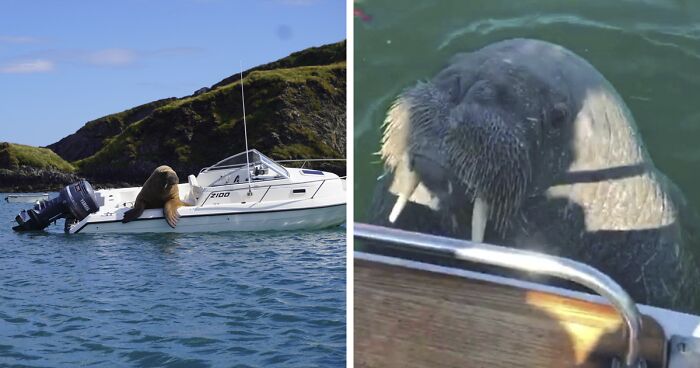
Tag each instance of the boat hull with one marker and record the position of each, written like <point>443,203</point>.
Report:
<point>264,220</point>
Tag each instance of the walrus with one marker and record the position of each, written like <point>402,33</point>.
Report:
<point>159,191</point>
<point>523,143</point>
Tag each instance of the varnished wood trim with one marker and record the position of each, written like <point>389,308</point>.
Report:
<point>414,318</point>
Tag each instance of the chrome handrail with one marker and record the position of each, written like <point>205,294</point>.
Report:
<point>522,260</point>
<point>313,160</point>
<point>268,180</point>
<point>304,161</point>
<point>227,167</point>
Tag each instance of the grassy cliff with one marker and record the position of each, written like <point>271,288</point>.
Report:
<point>14,156</point>
<point>324,55</point>
<point>27,168</point>
<point>295,109</point>
<point>91,137</point>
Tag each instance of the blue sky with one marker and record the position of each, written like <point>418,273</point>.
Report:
<point>63,63</point>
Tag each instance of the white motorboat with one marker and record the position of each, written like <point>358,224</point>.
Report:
<point>244,192</point>
<point>26,197</point>
<point>239,193</point>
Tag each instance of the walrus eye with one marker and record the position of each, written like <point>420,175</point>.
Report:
<point>482,91</point>
<point>559,114</point>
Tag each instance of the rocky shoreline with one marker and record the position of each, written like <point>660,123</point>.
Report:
<point>29,179</point>
<point>32,180</point>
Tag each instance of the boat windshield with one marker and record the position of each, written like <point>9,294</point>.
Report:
<point>258,162</point>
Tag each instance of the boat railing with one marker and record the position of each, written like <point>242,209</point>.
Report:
<point>256,181</point>
<point>308,160</point>
<point>521,260</point>
<point>252,164</point>
<point>227,167</point>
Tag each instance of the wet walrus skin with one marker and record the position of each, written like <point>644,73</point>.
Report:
<point>159,191</point>
<point>551,153</point>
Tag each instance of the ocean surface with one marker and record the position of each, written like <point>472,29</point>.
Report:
<point>171,300</point>
<point>649,50</point>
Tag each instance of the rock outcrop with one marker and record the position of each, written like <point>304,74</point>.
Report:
<point>26,169</point>
<point>91,137</point>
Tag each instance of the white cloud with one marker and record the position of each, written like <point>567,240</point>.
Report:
<point>298,2</point>
<point>27,67</point>
<point>175,51</point>
<point>47,60</point>
<point>18,39</point>
<point>111,57</point>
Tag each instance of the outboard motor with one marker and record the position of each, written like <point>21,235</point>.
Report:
<point>75,201</point>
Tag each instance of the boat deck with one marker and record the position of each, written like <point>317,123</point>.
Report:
<point>406,317</point>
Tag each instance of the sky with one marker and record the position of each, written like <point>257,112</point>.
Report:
<point>64,63</point>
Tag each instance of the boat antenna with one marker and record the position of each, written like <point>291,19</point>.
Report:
<point>245,133</point>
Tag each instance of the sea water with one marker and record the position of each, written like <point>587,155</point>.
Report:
<point>171,300</point>
<point>648,49</point>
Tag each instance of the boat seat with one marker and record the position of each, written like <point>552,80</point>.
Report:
<point>195,190</point>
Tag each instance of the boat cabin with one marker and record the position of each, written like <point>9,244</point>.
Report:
<point>237,169</point>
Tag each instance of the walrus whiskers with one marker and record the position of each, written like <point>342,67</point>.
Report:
<point>408,124</point>
<point>495,167</point>
<point>488,158</point>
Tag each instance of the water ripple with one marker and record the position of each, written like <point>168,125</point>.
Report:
<point>648,49</point>
<point>245,300</point>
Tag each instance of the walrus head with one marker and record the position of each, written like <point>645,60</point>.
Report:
<point>166,176</point>
<point>489,131</point>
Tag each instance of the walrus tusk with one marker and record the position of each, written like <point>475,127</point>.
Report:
<point>410,186</point>
<point>479,217</point>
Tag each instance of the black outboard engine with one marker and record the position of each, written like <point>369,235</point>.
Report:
<point>75,201</point>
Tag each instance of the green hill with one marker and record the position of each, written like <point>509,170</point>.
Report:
<point>91,137</point>
<point>27,168</point>
<point>295,109</point>
<point>324,55</point>
<point>14,156</point>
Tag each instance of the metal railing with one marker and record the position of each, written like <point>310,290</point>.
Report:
<point>305,161</point>
<point>228,167</point>
<point>521,260</point>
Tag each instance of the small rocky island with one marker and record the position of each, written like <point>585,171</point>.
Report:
<point>295,109</point>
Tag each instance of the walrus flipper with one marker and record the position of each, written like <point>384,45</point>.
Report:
<point>170,212</point>
<point>133,213</point>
